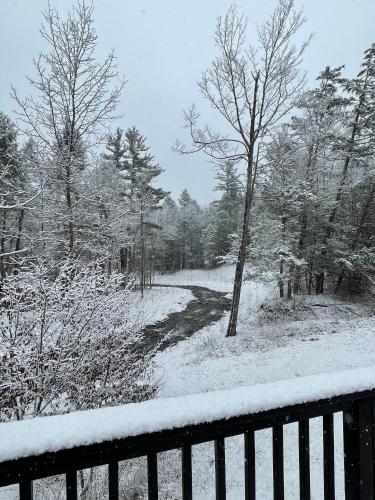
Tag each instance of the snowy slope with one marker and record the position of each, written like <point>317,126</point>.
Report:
<point>158,303</point>
<point>329,339</point>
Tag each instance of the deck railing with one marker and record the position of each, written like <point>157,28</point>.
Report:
<point>107,436</point>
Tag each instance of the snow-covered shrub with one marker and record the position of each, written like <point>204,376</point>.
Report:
<point>281,310</point>
<point>67,342</point>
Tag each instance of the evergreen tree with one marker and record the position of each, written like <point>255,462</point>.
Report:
<point>189,232</point>
<point>228,214</point>
<point>140,171</point>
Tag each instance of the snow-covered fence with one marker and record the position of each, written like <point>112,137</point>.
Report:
<point>46,446</point>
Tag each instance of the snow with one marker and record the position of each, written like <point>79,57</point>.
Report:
<point>271,362</point>
<point>325,336</point>
<point>159,302</point>
<point>220,279</point>
<point>48,434</point>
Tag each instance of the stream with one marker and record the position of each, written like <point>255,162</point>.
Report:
<point>208,306</point>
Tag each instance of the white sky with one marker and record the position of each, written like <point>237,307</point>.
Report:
<point>162,47</point>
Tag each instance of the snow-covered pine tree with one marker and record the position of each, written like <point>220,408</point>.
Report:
<point>353,208</point>
<point>140,171</point>
<point>228,207</point>
<point>14,197</point>
<point>189,232</point>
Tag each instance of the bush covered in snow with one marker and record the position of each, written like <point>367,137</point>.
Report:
<point>67,341</point>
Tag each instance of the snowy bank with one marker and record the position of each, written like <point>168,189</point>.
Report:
<point>49,434</point>
<point>158,303</point>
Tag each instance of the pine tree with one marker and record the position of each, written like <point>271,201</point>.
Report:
<point>189,232</point>
<point>140,171</point>
<point>228,206</point>
<point>116,149</point>
<point>12,183</point>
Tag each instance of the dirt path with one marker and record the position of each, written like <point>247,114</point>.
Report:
<point>207,307</point>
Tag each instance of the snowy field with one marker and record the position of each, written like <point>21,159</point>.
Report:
<point>331,336</point>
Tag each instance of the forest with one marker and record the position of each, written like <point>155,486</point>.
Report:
<point>87,228</point>
<point>77,216</point>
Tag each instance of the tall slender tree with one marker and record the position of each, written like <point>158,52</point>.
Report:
<point>251,89</point>
<point>75,99</point>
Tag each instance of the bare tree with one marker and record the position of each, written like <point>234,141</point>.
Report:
<point>75,96</point>
<point>252,88</point>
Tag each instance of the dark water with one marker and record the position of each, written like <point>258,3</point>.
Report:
<point>207,307</point>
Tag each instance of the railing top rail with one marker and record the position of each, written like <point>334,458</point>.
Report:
<point>63,432</point>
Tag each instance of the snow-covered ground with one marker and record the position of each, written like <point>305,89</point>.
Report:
<point>220,279</point>
<point>309,336</point>
<point>322,336</point>
<point>156,305</point>
<point>159,302</point>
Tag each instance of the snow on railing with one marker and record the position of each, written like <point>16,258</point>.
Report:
<point>49,434</point>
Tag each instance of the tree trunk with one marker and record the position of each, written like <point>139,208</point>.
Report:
<point>19,230</point>
<point>2,245</point>
<point>281,281</point>
<point>232,327</point>
<point>319,283</point>
<point>289,288</point>
<point>142,255</point>
<point>68,196</point>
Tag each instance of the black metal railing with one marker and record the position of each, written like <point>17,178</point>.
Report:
<point>359,456</point>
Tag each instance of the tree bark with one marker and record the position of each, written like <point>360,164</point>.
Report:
<point>142,278</point>
<point>2,245</point>
<point>281,282</point>
<point>232,326</point>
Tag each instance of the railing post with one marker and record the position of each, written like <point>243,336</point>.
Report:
<point>329,457</point>
<point>152,470</point>
<point>71,485</point>
<point>220,468</point>
<point>250,490</point>
<point>113,485</point>
<point>278,462</point>
<point>359,450</point>
<point>26,490</point>
<point>304,458</point>
<point>187,485</point>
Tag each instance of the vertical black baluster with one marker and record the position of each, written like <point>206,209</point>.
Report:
<point>351,453</point>
<point>71,485</point>
<point>304,459</point>
<point>278,462</point>
<point>250,487</point>
<point>329,458</point>
<point>220,469</point>
<point>152,471</point>
<point>359,451</point>
<point>187,487</point>
<point>26,490</point>
<point>113,487</point>
<point>366,451</point>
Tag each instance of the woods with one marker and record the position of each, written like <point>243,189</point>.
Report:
<point>84,211</point>
<point>153,249</point>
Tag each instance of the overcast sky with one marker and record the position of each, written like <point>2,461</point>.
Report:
<point>162,47</point>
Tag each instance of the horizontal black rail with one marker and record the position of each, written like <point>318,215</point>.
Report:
<point>359,452</point>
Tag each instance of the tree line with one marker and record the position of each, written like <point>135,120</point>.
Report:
<point>294,167</point>
<point>308,157</point>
